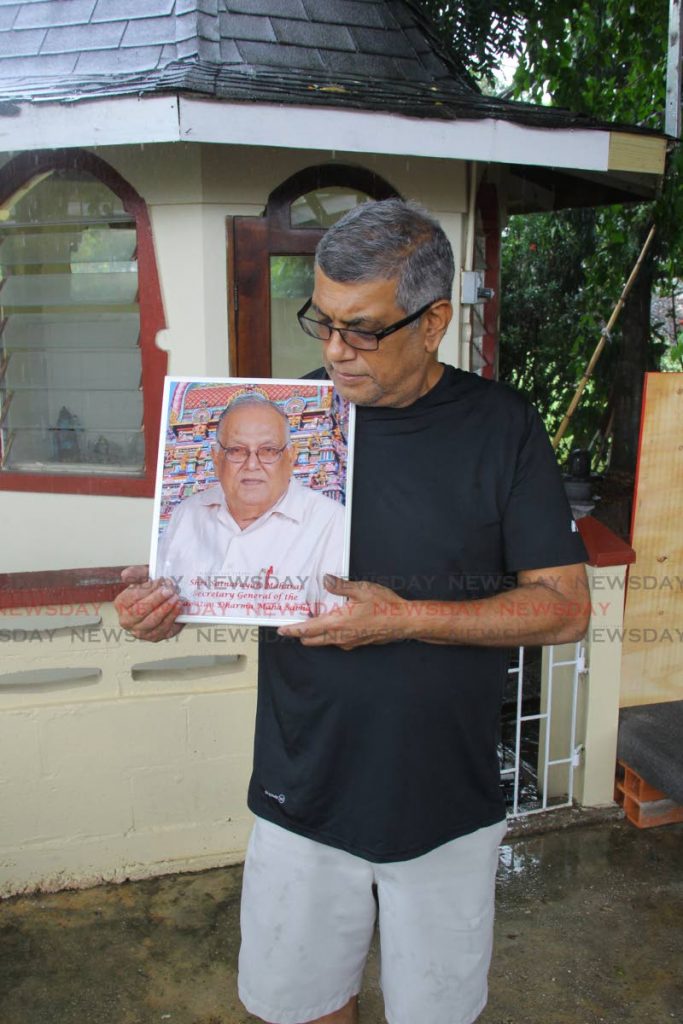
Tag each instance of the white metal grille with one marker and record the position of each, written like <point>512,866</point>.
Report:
<point>549,783</point>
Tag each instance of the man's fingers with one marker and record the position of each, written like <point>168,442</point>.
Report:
<point>316,626</point>
<point>324,638</point>
<point>360,589</point>
<point>149,611</point>
<point>161,624</point>
<point>135,574</point>
<point>167,628</point>
<point>337,584</point>
<point>345,637</point>
<point>139,599</point>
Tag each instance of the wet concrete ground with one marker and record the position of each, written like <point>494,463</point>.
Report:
<point>589,930</point>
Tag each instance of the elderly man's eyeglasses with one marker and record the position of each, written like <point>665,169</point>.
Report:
<point>267,454</point>
<point>366,340</point>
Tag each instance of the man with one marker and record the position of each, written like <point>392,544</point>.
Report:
<point>375,756</point>
<point>257,538</point>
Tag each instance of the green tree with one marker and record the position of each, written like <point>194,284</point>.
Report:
<point>606,58</point>
<point>478,33</point>
<point>546,328</point>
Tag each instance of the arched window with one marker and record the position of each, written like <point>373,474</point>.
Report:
<point>80,376</point>
<point>272,266</point>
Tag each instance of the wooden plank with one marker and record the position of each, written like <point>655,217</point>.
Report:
<point>652,658</point>
<point>644,154</point>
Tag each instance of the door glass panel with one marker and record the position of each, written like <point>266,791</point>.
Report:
<point>291,283</point>
<point>324,206</point>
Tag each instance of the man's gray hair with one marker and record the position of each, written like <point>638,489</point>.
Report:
<point>386,240</point>
<point>253,398</point>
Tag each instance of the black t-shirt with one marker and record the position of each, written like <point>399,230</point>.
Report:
<point>390,750</point>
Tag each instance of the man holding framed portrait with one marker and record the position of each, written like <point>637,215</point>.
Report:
<point>375,763</point>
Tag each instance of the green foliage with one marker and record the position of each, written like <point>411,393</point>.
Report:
<point>673,357</point>
<point>564,272</point>
<point>548,326</point>
<point>606,58</point>
<point>479,33</point>
<point>291,277</point>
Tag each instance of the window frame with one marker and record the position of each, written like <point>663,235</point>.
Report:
<point>489,352</point>
<point>15,173</point>
<point>253,240</point>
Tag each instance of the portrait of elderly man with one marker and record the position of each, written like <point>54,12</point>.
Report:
<point>257,543</point>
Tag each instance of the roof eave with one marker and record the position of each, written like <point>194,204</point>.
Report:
<point>632,161</point>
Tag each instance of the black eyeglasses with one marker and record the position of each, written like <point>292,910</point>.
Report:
<point>366,340</point>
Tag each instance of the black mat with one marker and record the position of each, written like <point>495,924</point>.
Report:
<point>651,742</point>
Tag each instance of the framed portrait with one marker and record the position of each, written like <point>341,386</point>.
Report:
<point>253,497</point>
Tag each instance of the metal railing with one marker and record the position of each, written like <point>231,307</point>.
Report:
<point>556,722</point>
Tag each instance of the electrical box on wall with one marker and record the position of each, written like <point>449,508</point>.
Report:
<point>472,288</point>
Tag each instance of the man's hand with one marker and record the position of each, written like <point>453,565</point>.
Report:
<point>148,609</point>
<point>371,615</point>
<point>548,606</point>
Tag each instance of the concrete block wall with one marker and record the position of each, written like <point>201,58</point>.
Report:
<point>118,758</point>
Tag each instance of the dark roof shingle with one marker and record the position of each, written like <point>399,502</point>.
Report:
<point>283,9</point>
<point>118,61</point>
<point>380,55</point>
<point>363,38</point>
<point>382,41</point>
<point>101,36</point>
<point>345,12</point>
<point>8,16</point>
<point>58,65</point>
<point>272,55</point>
<point>22,43</point>
<point>241,27</point>
<point>47,15</point>
<point>150,32</point>
<point>116,10</point>
<point>327,37</point>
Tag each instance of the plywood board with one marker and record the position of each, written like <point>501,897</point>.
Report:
<point>652,660</point>
<point>643,153</point>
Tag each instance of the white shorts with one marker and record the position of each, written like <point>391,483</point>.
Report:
<point>308,915</point>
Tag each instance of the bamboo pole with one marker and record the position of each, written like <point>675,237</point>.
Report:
<point>588,372</point>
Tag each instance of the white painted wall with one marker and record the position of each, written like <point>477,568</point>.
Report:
<point>120,774</point>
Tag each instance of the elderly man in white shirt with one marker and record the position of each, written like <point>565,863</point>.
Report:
<point>257,543</point>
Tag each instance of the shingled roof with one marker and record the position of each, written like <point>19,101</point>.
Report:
<point>377,55</point>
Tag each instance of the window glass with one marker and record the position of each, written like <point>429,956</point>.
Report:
<point>70,360</point>
<point>291,283</point>
<point>324,206</point>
